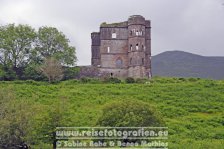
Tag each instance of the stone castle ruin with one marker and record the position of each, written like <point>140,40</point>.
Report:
<point>123,49</point>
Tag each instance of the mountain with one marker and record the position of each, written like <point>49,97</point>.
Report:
<point>183,64</point>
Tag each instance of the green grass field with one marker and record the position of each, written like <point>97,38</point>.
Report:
<point>193,109</point>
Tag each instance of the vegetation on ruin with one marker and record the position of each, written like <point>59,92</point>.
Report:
<point>105,24</point>
<point>191,108</point>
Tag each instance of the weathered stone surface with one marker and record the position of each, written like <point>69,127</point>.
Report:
<point>123,49</point>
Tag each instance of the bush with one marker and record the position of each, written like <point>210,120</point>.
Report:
<point>8,74</point>
<point>182,79</point>
<point>85,80</point>
<point>112,80</point>
<point>71,72</point>
<point>130,80</point>
<point>139,80</point>
<point>31,73</point>
<point>129,114</point>
<point>70,82</point>
<point>165,80</point>
<point>90,80</point>
<point>193,79</point>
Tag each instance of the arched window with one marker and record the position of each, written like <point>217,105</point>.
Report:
<point>119,63</point>
<point>136,46</point>
<point>131,47</point>
<point>142,47</point>
<point>131,33</point>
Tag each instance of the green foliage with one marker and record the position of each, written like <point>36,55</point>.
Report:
<point>16,126</point>
<point>193,79</point>
<point>112,80</point>
<point>71,72</point>
<point>22,49</point>
<point>133,113</point>
<point>85,80</point>
<point>130,80</point>
<point>53,43</point>
<point>192,110</point>
<point>52,69</point>
<point>31,73</point>
<point>2,73</point>
<point>8,74</point>
<point>15,44</point>
<point>142,80</point>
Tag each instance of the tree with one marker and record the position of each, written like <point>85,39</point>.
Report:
<point>52,43</point>
<point>52,69</point>
<point>15,44</point>
<point>16,125</point>
<point>22,49</point>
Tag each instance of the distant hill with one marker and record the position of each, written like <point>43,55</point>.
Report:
<point>183,64</point>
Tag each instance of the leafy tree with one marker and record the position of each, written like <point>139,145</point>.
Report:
<point>15,44</point>
<point>22,50</point>
<point>52,69</point>
<point>54,119</point>
<point>16,125</point>
<point>52,43</point>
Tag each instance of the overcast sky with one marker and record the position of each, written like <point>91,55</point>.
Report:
<point>195,26</point>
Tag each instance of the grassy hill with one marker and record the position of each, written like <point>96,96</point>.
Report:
<point>183,64</point>
<point>193,109</point>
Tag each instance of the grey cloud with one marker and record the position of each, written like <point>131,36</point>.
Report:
<point>194,25</point>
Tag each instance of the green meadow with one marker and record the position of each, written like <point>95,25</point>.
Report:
<point>193,109</point>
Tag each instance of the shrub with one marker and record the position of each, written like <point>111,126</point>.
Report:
<point>112,80</point>
<point>130,80</point>
<point>71,72</point>
<point>140,80</point>
<point>32,82</point>
<point>182,79</point>
<point>210,84</point>
<point>90,80</point>
<point>85,80</point>
<point>193,79</point>
<point>95,81</point>
<point>31,73</point>
<point>129,114</point>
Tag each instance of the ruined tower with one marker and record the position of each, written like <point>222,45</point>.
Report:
<point>123,49</point>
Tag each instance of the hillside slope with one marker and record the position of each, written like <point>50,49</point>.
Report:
<point>191,108</point>
<point>183,64</point>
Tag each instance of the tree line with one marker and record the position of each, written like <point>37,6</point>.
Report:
<point>26,53</point>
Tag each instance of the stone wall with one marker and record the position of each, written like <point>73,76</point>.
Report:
<point>123,49</point>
